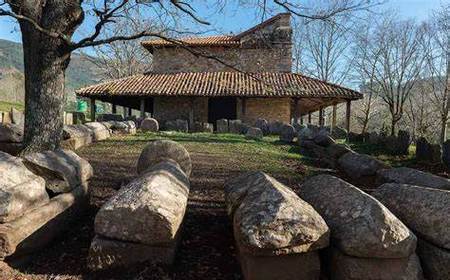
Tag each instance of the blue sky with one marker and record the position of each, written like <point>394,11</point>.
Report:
<point>235,20</point>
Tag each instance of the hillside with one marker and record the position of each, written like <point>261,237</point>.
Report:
<point>80,72</point>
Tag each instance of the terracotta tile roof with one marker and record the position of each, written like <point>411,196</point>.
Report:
<point>219,84</point>
<point>219,40</point>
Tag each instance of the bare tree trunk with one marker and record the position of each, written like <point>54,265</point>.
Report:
<point>393,125</point>
<point>443,129</point>
<point>447,96</point>
<point>45,62</point>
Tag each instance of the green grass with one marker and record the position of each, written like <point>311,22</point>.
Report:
<point>227,152</point>
<point>6,106</point>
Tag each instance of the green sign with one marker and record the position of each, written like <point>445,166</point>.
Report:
<point>81,105</point>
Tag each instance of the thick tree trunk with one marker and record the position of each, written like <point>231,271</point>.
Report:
<point>443,135</point>
<point>45,62</point>
<point>393,125</point>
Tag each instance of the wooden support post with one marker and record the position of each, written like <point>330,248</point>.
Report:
<point>243,107</point>
<point>301,120</point>
<point>130,111</point>
<point>333,118</point>
<point>347,115</point>
<point>321,120</point>
<point>92,101</point>
<point>191,113</point>
<point>309,118</point>
<point>114,108</point>
<point>296,113</point>
<point>142,107</point>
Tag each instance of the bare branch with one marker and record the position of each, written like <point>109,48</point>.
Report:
<point>49,33</point>
<point>296,9</point>
<point>105,17</point>
<point>180,5</point>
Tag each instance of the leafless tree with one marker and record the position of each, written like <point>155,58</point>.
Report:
<point>47,29</point>
<point>397,56</point>
<point>325,45</point>
<point>364,71</point>
<point>420,115</point>
<point>123,58</point>
<point>437,65</point>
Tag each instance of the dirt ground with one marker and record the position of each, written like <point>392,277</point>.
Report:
<point>206,249</point>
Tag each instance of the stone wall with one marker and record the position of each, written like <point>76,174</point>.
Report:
<point>270,109</point>
<point>172,60</point>
<point>172,108</point>
<point>267,48</point>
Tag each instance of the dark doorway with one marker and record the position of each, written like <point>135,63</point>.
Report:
<point>221,108</point>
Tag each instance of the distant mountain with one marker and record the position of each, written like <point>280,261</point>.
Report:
<point>81,72</point>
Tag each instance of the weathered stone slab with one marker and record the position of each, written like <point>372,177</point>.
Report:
<point>422,149</point>
<point>275,127</point>
<point>11,148</point>
<point>355,137</point>
<point>339,133</point>
<point>244,128</point>
<point>17,117</point>
<point>161,150</point>
<point>12,133</point>
<point>287,133</point>
<point>435,261</point>
<point>20,189</point>
<point>263,125</point>
<point>428,152</point>
<point>68,118</point>
<point>131,126</point>
<point>373,138</point>
<point>76,136</point>
<point>308,147</point>
<point>314,128</point>
<point>305,266</point>
<point>304,134</point>
<point>357,166</point>
<point>106,253</point>
<point>79,117</point>
<point>423,210</point>
<point>410,176</point>
<point>177,125</point>
<point>202,127</point>
<point>324,139</point>
<point>149,210</point>
<point>149,124</point>
<point>109,117</point>
<point>335,151</point>
<point>77,130</point>
<point>402,143</point>
<point>235,126</point>
<point>270,219</point>
<point>63,169</point>
<point>360,225</point>
<point>123,127</point>
<point>6,117</point>
<point>344,267</point>
<point>119,127</point>
<point>446,153</point>
<point>222,126</point>
<point>100,132</point>
<point>254,133</point>
<point>33,231</point>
